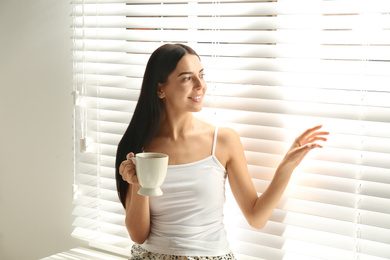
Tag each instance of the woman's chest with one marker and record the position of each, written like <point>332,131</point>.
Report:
<point>190,188</point>
<point>183,151</point>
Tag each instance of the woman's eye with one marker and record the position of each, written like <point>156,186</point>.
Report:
<point>187,78</point>
<point>202,75</point>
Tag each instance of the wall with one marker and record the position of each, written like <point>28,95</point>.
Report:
<point>35,129</point>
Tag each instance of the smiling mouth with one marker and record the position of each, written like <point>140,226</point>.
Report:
<point>195,98</point>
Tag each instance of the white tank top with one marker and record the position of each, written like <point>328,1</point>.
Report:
<point>188,218</point>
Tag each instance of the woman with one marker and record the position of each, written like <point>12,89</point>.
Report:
<point>186,222</point>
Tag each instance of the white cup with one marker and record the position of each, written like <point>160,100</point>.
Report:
<point>151,171</point>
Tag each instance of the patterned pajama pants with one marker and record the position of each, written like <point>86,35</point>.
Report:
<point>138,253</point>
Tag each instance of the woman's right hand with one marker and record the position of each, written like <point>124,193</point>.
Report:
<point>137,206</point>
<point>127,170</point>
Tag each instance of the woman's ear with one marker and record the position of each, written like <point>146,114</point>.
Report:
<point>160,92</point>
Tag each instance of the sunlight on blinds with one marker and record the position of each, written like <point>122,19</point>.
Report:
<point>273,69</point>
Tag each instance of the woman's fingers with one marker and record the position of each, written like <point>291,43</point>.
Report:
<point>302,138</point>
<point>127,170</point>
<point>316,138</point>
<point>134,179</point>
<point>129,173</point>
<point>311,135</point>
<point>129,155</point>
<point>308,131</point>
<point>304,143</point>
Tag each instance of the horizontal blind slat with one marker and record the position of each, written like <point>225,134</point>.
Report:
<point>260,37</point>
<point>285,50</point>
<point>236,9</point>
<point>294,22</point>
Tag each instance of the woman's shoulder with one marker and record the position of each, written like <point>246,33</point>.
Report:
<point>223,131</point>
<point>228,142</point>
<point>228,137</point>
<point>227,132</point>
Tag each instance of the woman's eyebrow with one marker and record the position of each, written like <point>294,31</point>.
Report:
<point>190,73</point>
<point>183,73</point>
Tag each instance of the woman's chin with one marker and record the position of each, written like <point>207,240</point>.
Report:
<point>198,109</point>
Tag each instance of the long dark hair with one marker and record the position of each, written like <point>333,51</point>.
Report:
<point>147,114</point>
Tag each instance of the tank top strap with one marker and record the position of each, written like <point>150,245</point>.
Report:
<point>215,140</point>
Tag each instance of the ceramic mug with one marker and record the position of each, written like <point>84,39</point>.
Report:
<point>151,171</point>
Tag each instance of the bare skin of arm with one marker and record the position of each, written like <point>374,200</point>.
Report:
<point>258,209</point>
<point>137,206</point>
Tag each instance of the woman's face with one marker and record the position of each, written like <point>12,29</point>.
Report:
<point>185,88</point>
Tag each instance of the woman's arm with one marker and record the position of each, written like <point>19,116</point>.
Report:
<point>257,210</point>
<point>137,215</point>
<point>137,206</point>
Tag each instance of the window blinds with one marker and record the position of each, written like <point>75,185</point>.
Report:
<point>273,69</point>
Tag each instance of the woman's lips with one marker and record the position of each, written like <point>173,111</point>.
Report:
<point>196,98</point>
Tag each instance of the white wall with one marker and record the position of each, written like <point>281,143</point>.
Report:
<point>35,129</point>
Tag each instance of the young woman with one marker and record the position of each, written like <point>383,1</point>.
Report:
<point>187,221</point>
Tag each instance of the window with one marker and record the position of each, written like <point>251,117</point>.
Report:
<point>274,68</point>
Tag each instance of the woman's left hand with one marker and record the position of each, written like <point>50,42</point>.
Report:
<point>303,144</point>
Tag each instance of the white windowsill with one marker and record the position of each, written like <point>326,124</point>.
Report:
<point>84,254</point>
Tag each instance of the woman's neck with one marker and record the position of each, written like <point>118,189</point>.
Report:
<point>176,126</point>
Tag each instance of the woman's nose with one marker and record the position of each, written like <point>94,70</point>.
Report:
<point>200,83</point>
